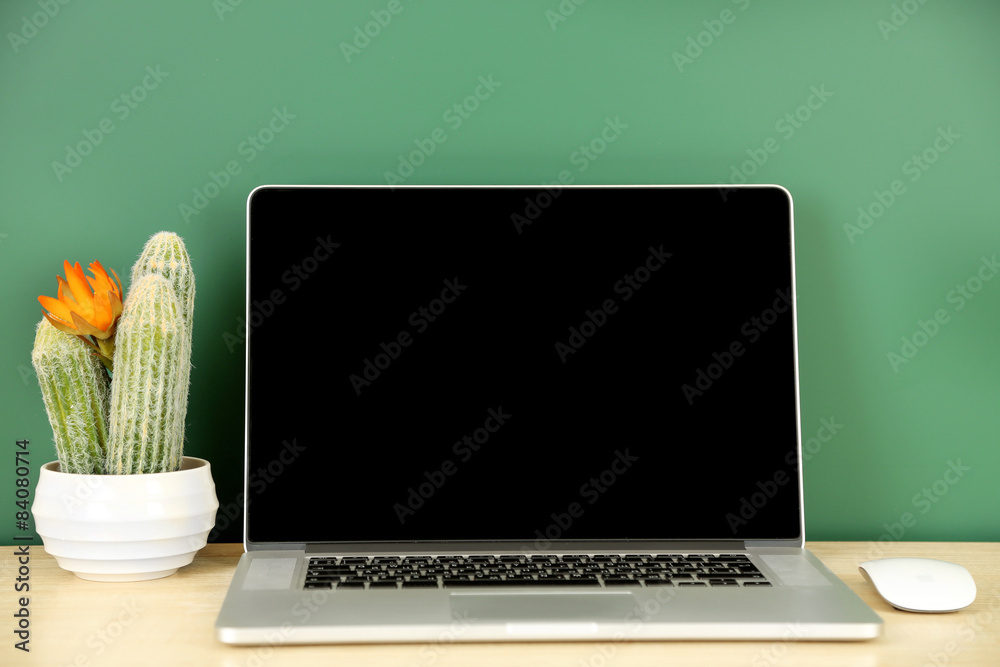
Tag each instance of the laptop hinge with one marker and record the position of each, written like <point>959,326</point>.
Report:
<point>275,546</point>
<point>560,547</point>
<point>798,543</point>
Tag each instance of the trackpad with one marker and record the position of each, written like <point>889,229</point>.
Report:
<point>544,606</point>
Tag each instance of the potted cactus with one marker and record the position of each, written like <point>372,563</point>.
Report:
<point>122,503</point>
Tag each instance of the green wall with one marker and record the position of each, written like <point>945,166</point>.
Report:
<point>166,115</point>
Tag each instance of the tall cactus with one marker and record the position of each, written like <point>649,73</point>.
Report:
<point>153,361</point>
<point>75,389</point>
<point>149,389</point>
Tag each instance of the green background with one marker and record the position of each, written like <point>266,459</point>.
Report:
<point>894,78</point>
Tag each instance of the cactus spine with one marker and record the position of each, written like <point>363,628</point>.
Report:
<point>75,390</point>
<point>150,384</point>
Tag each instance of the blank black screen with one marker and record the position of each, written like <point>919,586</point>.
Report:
<point>521,364</point>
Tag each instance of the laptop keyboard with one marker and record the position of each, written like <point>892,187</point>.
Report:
<point>595,571</point>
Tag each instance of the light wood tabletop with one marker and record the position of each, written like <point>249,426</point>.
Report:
<point>171,621</point>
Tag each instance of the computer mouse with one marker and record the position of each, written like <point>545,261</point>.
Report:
<point>921,584</point>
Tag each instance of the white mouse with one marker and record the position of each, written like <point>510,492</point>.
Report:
<point>921,584</point>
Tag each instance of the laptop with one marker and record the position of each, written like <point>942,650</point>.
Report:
<point>525,413</point>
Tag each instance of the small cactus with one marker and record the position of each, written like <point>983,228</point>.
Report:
<point>75,390</point>
<point>149,389</point>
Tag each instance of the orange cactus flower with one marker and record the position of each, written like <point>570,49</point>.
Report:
<point>87,306</point>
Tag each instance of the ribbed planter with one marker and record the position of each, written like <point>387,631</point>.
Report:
<point>125,527</point>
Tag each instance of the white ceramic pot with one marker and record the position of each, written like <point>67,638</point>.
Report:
<point>125,527</point>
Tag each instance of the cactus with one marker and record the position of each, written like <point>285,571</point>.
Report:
<point>164,254</point>
<point>150,385</point>
<point>134,423</point>
<point>75,390</point>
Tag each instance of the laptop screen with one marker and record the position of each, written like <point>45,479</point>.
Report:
<point>525,364</point>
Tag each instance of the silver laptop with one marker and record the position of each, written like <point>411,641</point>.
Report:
<point>525,413</point>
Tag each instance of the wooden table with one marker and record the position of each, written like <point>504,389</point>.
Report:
<point>171,622</point>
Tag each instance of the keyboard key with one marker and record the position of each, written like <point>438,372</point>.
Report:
<point>327,572</point>
<point>351,584</point>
